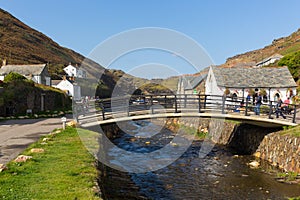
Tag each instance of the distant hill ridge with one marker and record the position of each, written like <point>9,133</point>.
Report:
<point>283,46</point>
<point>20,44</point>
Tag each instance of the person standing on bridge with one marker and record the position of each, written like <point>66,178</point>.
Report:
<point>279,108</point>
<point>258,104</point>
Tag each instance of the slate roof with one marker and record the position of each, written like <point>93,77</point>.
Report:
<point>191,82</point>
<point>55,82</point>
<point>265,77</point>
<point>24,70</point>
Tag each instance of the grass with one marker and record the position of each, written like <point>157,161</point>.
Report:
<point>289,176</point>
<point>294,131</point>
<point>66,170</point>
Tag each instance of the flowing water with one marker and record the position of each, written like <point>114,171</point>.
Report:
<point>219,175</point>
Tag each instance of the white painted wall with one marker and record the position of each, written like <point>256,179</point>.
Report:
<point>71,70</point>
<point>211,87</point>
<point>66,86</point>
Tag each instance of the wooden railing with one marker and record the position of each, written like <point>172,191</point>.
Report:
<point>135,104</point>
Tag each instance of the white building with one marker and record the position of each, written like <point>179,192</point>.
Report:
<point>269,60</point>
<point>75,71</point>
<point>276,81</point>
<point>69,87</point>
<point>190,84</point>
<point>38,73</point>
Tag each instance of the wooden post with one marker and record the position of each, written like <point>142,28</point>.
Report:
<point>128,109</point>
<point>270,111</point>
<point>151,103</point>
<point>166,101</point>
<point>205,98</point>
<point>246,108</point>
<point>270,104</point>
<point>223,104</point>
<point>175,99</point>
<point>294,116</point>
<point>102,109</point>
<point>185,96</point>
<point>199,103</point>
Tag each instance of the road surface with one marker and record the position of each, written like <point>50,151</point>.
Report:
<point>17,135</point>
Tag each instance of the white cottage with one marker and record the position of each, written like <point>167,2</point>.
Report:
<point>38,73</point>
<point>276,81</point>
<point>75,71</point>
<point>269,60</point>
<point>69,87</point>
<point>190,84</point>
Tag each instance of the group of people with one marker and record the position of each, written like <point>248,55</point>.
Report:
<point>280,106</point>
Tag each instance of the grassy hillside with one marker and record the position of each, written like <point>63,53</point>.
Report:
<point>20,44</point>
<point>283,46</point>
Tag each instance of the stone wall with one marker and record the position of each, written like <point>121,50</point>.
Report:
<point>266,143</point>
<point>219,130</point>
<point>281,150</point>
<point>246,138</point>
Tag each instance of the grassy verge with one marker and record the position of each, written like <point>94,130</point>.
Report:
<point>64,171</point>
<point>294,131</point>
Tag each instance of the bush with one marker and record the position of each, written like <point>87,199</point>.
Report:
<point>12,76</point>
<point>292,60</point>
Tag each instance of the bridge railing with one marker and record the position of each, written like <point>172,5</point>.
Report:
<point>150,104</point>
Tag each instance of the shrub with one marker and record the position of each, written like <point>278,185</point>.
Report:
<point>13,76</point>
<point>292,60</point>
<point>226,92</point>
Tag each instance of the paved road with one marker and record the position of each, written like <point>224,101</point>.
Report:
<point>17,135</point>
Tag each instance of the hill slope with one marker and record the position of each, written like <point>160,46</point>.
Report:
<point>283,46</point>
<point>20,44</point>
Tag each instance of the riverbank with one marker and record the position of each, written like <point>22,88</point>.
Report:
<point>219,175</point>
<point>282,149</point>
<point>63,169</point>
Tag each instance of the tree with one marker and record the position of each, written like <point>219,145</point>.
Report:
<point>292,60</point>
<point>13,76</point>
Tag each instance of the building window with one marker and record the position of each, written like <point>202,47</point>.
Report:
<point>276,97</point>
<point>265,99</point>
<point>234,97</point>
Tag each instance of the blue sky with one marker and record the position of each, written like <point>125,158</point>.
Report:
<point>223,28</point>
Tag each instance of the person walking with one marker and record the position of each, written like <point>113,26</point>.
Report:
<point>279,107</point>
<point>258,104</point>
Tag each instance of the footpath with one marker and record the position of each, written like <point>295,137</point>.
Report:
<point>17,135</point>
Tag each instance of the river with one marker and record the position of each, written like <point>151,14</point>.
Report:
<point>219,175</point>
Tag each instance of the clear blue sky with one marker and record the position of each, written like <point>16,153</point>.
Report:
<point>224,28</point>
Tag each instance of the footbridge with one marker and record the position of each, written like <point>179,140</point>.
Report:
<point>139,107</point>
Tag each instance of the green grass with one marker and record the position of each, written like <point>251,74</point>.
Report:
<point>289,176</point>
<point>293,48</point>
<point>294,131</point>
<point>294,198</point>
<point>64,171</point>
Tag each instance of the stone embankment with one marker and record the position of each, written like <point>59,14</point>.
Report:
<point>281,150</point>
<point>266,143</point>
